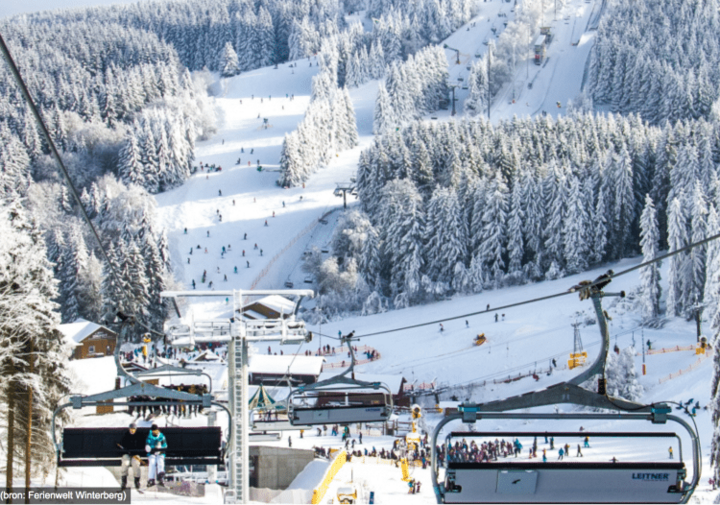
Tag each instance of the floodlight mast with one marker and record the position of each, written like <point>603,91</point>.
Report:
<point>286,330</point>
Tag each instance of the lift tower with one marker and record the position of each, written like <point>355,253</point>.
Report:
<point>239,331</point>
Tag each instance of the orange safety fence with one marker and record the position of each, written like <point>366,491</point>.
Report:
<point>686,370</point>
<point>664,350</point>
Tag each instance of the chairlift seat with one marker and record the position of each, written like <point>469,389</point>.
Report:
<point>288,284</point>
<point>339,414</point>
<point>98,446</point>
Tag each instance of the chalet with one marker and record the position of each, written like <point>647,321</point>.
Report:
<point>275,370</point>
<point>90,340</point>
<point>269,307</point>
<point>396,384</point>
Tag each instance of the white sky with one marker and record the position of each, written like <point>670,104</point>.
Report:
<point>12,7</point>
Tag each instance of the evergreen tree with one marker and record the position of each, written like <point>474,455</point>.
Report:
<point>677,239</point>
<point>229,62</point>
<point>650,274</point>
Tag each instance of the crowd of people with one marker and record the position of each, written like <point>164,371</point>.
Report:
<point>463,452</point>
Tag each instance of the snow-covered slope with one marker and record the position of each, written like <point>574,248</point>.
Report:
<point>523,339</point>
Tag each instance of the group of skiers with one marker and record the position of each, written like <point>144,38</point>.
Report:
<point>488,451</point>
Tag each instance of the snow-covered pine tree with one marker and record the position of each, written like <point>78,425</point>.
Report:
<point>677,239</point>
<point>445,236</point>
<point>494,233</point>
<point>229,61</point>
<point>575,225</point>
<point>650,274</point>
<point>515,245</point>
<point>32,356</point>
<point>695,287</point>
<point>385,118</point>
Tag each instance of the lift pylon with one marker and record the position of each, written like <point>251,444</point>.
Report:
<point>241,330</point>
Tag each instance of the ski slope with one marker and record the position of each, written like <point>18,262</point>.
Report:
<point>523,340</point>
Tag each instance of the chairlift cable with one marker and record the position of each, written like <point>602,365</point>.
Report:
<point>56,155</point>
<point>605,278</point>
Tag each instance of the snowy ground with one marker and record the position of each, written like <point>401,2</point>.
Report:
<point>525,339</point>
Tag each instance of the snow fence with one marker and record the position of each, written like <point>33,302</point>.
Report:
<point>319,492</point>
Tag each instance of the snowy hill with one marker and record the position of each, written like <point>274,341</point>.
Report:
<point>219,208</point>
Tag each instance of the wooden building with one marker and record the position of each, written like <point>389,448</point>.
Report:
<point>269,307</point>
<point>89,340</point>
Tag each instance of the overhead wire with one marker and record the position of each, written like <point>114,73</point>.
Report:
<point>56,155</point>
<point>605,278</point>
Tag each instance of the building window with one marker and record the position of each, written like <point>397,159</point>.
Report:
<point>91,349</point>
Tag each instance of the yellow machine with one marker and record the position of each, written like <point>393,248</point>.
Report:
<point>405,470</point>
<point>577,359</point>
<point>347,494</point>
<point>480,339</point>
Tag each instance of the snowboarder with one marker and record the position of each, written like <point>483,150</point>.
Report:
<point>586,443</point>
<point>131,445</point>
<point>155,446</point>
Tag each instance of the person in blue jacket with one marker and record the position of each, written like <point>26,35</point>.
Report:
<point>155,446</point>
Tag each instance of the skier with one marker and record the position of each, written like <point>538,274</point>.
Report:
<point>561,453</point>
<point>496,317</point>
<point>248,264</point>
<point>266,222</point>
<point>225,277</point>
<point>236,269</point>
<point>579,452</point>
<point>208,233</point>
<point>155,446</point>
<point>289,441</point>
<point>219,192</point>
<point>467,325</point>
<point>261,255</point>
<point>131,445</point>
<point>441,328</point>
<point>273,213</point>
<point>245,237</point>
<point>191,249</point>
<point>193,283</point>
<point>670,452</point>
<point>283,205</point>
<point>185,231</point>
<point>587,442</point>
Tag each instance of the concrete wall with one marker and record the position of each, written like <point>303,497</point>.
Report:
<point>277,467</point>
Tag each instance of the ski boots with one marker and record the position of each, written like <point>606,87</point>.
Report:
<point>150,483</point>
<point>137,483</point>
<point>161,478</point>
<point>123,483</point>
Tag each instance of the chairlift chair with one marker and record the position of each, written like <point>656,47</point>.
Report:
<point>304,408</point>
<point>507,481</point>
